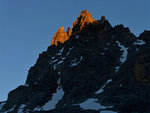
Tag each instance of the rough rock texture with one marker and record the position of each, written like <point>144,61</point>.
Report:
<point>83,20</point>
<point>61,36</point>
<point>109,65</point>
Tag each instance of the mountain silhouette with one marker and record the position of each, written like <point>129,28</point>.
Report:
<point>93,68</point>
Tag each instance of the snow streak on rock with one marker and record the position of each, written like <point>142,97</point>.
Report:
<point>93,105</point>
<point>102,88</point>
<point>108,112</point>
<point>2,105</point>
<point>21,108</point>
<point>69,51</point>
<point>123,58</point>
<point>77,36</point>
<point>117,69</point>
<point>55,62</point>
<point>26,85</point>
<point>10,109</point>
<point>55,99</point>
<point>125,52</point>
<point>140,42</point>
<point>60,62</point>
<point>60,51</point>
<point>75,62</point>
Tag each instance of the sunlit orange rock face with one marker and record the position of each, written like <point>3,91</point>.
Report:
<point>83,19</point>
<point>61,36</point>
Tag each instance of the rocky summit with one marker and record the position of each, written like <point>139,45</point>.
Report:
<point>95,68</point>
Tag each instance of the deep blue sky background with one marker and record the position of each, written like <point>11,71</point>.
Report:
<point>27,27</point>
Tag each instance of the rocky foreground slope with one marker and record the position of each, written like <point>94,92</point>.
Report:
<point>95,68</point>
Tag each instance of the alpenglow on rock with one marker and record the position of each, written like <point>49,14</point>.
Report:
<point>83,19</point>
<point>96,68</point>
<point>61,36</point>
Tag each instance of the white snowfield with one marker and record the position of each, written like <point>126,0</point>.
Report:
<point>139,42</point>
<point>92,104</point>
<point>102,88</point>
<point>75,62</point>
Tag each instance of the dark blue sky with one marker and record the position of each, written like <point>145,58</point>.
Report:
<point>27,27</point>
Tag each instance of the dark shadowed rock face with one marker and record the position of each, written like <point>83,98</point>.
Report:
<point>94,68</point>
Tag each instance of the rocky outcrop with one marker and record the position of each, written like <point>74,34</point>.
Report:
<point>83,20</point>
<point>61,36</point>
<point>141,69</point>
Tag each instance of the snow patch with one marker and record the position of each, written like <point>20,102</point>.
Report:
<point>93,105</point>
<point>35,83</point>
<point>69,51</point>
<point>58,82</point>
<point>102,53</point>
<point>117,69</point>
<point>77,36</point>
<point>51,104</point>
<point>75,62</point>
<point>60,51</point>
<point>139,42</point>
<point>10,109</point>
<point>2,105</point>
<point>102,88</point>
<point>137,49</point>
<point>26,85</point>
<point>108,112</point>
<point>37,109</point>
<point>53,60</point>
<point>59,73</point>
<point>125,52</point>
<point>21,108</point>
<point>60,62</point>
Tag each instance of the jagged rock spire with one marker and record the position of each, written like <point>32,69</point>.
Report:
<point>61,36</point>
<point>83,19</point>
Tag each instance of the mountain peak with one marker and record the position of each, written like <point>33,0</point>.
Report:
<point>83,19</point>
<point>61,36</point>
<point>99,69</point>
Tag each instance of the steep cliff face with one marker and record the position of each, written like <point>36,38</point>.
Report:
<point>96,68</point>
<point>83,20</point>
<point>61,36</point>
